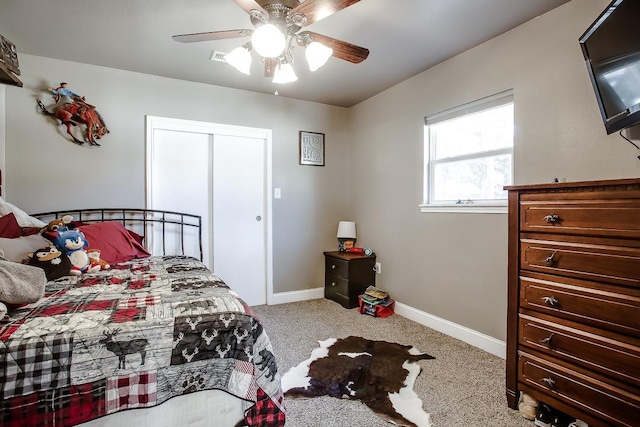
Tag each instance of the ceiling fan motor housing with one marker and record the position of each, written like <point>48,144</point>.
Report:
<point>290,4</point>
<point>278,16</point>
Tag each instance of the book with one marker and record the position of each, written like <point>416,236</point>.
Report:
<point>376,293</point>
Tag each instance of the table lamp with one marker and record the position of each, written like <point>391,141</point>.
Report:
<point>346,235</point>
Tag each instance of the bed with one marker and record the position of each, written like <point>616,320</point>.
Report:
<point>160,334</point>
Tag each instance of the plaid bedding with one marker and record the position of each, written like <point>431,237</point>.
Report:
<point>133,337</point>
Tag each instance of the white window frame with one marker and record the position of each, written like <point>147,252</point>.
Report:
<point>475,206</point>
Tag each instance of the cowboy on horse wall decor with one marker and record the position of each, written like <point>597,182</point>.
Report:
<point>72,109</point>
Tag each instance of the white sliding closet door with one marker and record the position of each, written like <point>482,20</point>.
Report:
<point>238,214</point>
<point>223,174</point>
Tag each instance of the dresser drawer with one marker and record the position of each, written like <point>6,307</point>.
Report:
<point>336,285</point>
<point>584,259</point>
<point>618,218</point>
<point>602,306</point>
<point>336,267</point>
<point>610,354</point>
<point>337,289</point>
<point>615,404</point>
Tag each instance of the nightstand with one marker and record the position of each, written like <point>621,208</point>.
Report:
<point>348,275</point>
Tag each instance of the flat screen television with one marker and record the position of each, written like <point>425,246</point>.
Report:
<point>611,49</point>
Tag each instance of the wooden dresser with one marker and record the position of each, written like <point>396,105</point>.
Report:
<point>573,327</point>
<point>347,275</point>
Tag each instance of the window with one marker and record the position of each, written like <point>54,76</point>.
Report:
<point>468,156</point>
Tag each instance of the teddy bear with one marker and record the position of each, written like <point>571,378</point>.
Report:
<point>527,406</point>
<point>72,243</point>
<point>58,224</point>
<point>94,257</point>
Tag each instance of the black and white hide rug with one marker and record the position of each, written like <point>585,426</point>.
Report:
<point>380,374</point>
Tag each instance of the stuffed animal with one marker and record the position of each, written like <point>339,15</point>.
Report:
<point>527,406</point>
<point>72,243</point>
<point>54,263</point>
<point>94,258</point>
<point>59,224</point>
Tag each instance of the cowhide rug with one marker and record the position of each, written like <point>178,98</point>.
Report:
<point>380,374</point>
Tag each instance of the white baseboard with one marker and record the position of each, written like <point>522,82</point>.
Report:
<point>295,296</point>
<point>482,341</point>
<point>485,342</point>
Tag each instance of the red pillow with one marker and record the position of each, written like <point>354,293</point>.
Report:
<point>114,241</point>
<point>9,227</point>
<point>136,236</point>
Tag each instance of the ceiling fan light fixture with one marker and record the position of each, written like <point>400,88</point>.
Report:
<point>317,55</point>
<point>284,74</point>
<point>240,59</point>
<point>268,41</point>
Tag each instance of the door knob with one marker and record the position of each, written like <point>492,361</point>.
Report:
<point>258,218</point>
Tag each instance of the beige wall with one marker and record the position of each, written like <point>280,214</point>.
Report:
<point>454,265</point>
<point>45,171</point>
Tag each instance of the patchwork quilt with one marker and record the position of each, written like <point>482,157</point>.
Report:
<point>132,337</point>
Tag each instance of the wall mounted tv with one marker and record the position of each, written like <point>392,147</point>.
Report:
<point>611,49</point>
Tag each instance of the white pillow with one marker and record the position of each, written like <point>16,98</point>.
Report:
<point>18,249</point>
<point>23,218</point>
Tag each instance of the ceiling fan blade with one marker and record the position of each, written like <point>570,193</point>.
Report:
<point>341,50</point>
<point>213,35</point>
<point>249,5</point>
<point>314,10</point>
<point>270,65</point>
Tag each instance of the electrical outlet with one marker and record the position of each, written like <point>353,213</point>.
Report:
<point>379,267</point>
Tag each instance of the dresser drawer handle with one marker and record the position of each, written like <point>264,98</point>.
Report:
<point>552,218</point>
<point>552,301</point>
<point>547,340</point>
<point>333,266</point>
<point>333,283</point>
<point>549,382</point>
<point>550,259</point>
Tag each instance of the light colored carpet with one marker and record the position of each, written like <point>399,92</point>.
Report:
<point>463,386</point>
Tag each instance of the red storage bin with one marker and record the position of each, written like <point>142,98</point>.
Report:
<point>376,310</point>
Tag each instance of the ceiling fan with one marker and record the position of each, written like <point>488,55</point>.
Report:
<point>278,23</point>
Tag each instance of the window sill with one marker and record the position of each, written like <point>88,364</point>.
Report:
<point>470,208</point>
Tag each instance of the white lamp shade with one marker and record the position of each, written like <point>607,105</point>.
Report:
<point>346,230</point>
<point>317,55</point>
<point>284,74</point>
<point>240,59</point>
<point>268,41</point>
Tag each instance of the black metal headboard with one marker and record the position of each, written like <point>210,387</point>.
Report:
<point>148,223</point>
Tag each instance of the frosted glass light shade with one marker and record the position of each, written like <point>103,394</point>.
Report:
<point>346,230</point>
<point>268,41</point>
<point>240,59</point>
<point>317,55</point>
<point>284,74</point>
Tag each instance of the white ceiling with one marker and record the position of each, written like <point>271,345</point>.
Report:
<point>405,37</point>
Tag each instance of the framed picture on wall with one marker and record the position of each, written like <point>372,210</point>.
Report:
<point>311,148</point>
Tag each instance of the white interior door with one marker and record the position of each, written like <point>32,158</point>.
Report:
<point>238,214</point>
<point>222,173</point>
